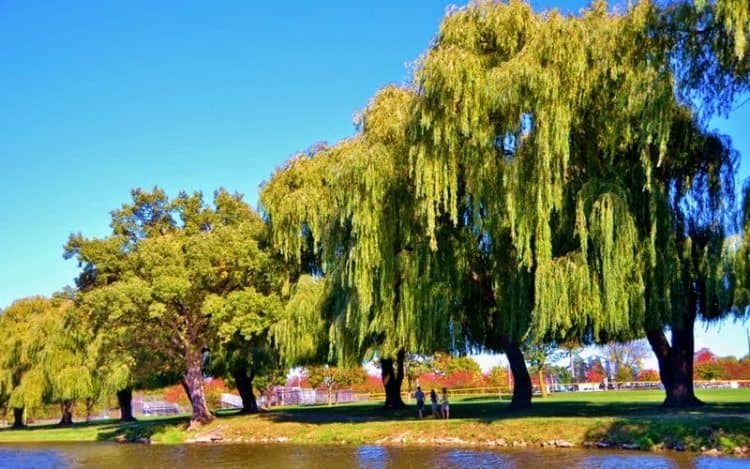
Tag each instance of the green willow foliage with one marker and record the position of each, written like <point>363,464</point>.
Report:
<point>354,204</point>
<point>42,357</point>
<point>546,152</point>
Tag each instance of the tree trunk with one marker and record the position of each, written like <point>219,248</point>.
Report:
<point>66,408</point>
<point>675,366</point>
<point>542,386</point>
<point>244,383</point>
<point>192,382</point>
<point>125,401</point>
<point>392,380</point>
<point>18,417</point>
<point>89,409</point>
<point>521,379</point>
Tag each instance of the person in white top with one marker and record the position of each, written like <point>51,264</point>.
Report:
<point>446,406</point>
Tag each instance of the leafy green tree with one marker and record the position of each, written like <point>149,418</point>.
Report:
<point>580,159</point>
<point>351,208</point>
<point>43,359</point>
<point>626,358</point>
<point>561,374</point>
<point>173,264</point>
<point>708,371</point>
<point>19,345</point>
<point>241,320</point>
<point>414,367</point>
<point>624,374</point>
<point>498,376</point>
<point>112,302</point>
<point>558,189</point>
<point>69,374</point>
<point>323,376</point>
<point>333,378</point>
<point>540,356</point>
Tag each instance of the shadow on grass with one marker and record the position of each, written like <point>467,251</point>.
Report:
<point>54,426</point>
<point>488,410</point>
<point>675,432</point>
<point>142,430</point>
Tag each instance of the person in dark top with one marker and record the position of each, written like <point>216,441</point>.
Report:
<point>435,408</point>
<point>420,401</point>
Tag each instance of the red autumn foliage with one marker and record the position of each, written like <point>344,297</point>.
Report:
<point>455,380</point>
<point>734,369</point>
<point>593,376</point>
<point>703,355</point>
<point>302,382</point>
<point>213,389</point>
<point>647,375</point>
<point>372,384</point>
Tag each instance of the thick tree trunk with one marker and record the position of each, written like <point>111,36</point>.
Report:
<point>244,384</point>
<point>66,408</point>
<point>676,360</point>
<point>521,379</point>
<point>392,380</point>
<point>192,382</point>
<point>18,418</point>
<point>125,401</point>
<point>675,367</point>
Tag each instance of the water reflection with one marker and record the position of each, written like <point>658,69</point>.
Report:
<point>708,462</point>
<point>113,456</point>
<point>36,459</point>
<point>473,459</point>
<point>616,461</point>
<point>372,457</point>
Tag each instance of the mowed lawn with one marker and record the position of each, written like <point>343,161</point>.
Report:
<point>614,417</point>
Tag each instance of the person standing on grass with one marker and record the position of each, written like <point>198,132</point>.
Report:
<point>434,400</point>
<point>420,401</point>
<point>445,405</point>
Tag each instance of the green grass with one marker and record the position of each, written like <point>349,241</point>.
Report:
<point>616,417</point>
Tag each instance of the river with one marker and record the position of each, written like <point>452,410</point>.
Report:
<point>114,456</point>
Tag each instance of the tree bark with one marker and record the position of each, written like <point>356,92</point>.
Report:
<point>676,365</point>
<point>542,386</point>
<point>521,379</point>
<point>89,409</point>
<point>18,417</point>
<point>125,401</point>
<point>192,382</point>
<point>392,380</point>
<point>66,408</point>
<point>244,384</point>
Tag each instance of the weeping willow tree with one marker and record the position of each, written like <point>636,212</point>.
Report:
<point>19,344</point>
<point>376,286</point>
<point>542,178</point>
<point>597,199</point>
<point>43,359</point>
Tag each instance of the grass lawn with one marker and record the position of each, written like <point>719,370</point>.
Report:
<point>615,417</point>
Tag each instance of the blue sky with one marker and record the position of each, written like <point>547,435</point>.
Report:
<point>101,97</point>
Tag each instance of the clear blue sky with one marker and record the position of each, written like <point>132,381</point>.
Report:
<point>99,97</point>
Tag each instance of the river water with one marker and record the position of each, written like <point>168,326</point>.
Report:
<point>114,456</point>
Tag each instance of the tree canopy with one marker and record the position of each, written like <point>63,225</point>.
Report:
<point>543,178</point>
<point>558,189</point>
<point>189,276</point>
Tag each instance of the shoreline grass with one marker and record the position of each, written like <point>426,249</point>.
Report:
<point>631,418</point>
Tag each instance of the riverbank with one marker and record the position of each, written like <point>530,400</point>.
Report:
<point>628,419</point>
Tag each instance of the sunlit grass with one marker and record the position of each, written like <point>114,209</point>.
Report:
<point>617,417</point>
